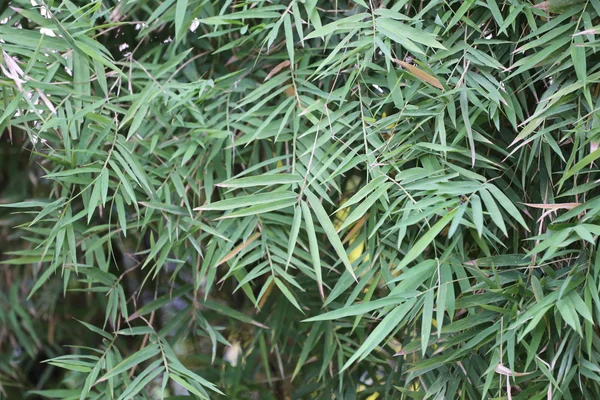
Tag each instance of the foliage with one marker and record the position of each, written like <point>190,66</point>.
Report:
<point>357,198</point>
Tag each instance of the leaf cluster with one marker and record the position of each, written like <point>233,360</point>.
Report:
<point>299,199</point>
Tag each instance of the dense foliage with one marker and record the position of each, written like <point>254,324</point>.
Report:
<point>299,199</point>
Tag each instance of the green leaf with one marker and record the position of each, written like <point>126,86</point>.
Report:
<point>507,204</point>
<point>426,320</point>
<point>493,210</point>
<point>363,308</point>
<point>330,231</point>
<point>295,229</point>
<point>313,245</point>
<point>262,208</point>
<point>96,330</point>
<point>180,10</point>
<point>289,38</point>
<point>121,213</point>
<point>425,240</point>
<point>261,180</point>
<point>578,57</point>
<point>359,211</point>
<point>74,171</point>
<point>585,161</point>
<point>396,30</point>
<point>250,200</point>
<point>387,325</point>
<point>135,359</point>
<point>286,292</point>
<point>265,12</point>
<point>477,213</point>
<point>142,380</point>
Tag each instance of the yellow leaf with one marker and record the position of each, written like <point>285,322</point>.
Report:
<point>341,215</point>
<point>238,248</point>
<point>357,252</point>
<point>419,73</point>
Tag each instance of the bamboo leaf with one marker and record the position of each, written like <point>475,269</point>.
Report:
<point>327,226</point>
<point>426,240</point>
